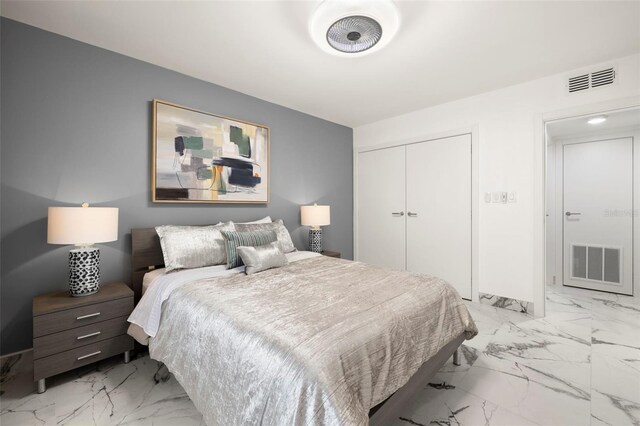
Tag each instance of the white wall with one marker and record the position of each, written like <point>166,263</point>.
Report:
<point>508,144</point>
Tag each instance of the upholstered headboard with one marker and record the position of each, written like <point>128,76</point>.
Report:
<point>146,254</point>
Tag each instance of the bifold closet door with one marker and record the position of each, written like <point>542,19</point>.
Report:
<point>439,210</point>
<point>381,200</point>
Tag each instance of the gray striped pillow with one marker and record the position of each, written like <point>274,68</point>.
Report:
<point>233,240</point>
<point>278,226</point>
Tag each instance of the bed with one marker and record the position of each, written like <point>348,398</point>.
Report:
<point>321,341</point>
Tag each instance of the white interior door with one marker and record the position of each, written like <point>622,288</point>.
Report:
<point>439,210</point>
<point>598,215</point>
<point>381,201</point>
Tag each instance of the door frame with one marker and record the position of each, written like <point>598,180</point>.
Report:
<point>540,122</point>
<point>472,130</point>
<point>596,136</point>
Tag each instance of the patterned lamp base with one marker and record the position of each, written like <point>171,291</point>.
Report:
<point>84,271</point>
<point>315,240</point>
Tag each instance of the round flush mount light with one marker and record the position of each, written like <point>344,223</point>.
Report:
<point>597,119</point>
<point>353,28</point>
<point>354,34</point>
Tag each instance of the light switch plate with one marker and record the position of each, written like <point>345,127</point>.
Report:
<point>512,197</point>
<point>504,197</point>
<point>487,197</point>
<point>495,197</point>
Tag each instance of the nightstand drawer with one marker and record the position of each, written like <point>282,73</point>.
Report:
<point>65,361</point>
<point>81,316</point>
<point>77,337</point>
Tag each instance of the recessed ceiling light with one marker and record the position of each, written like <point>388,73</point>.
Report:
<point>353,28</point>
<point>599,119</point>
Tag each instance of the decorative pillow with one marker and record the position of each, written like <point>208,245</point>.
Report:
<point>266,219</point>
<point>233,240</point>
<point>261,258</point>
<point>185,247</point>
<point>278,227</point>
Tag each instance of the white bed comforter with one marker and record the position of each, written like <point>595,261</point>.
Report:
<point>317,342</point>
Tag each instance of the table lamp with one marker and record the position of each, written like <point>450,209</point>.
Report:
<point>315,216</point>
<point>83,226</point>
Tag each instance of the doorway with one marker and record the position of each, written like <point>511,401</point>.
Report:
<point>592,183</point>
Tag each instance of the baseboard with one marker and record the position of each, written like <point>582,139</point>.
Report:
<point>507,303</point>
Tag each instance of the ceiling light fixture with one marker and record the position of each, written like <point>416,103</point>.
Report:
<point>355,27</point>
<point>597,119</point>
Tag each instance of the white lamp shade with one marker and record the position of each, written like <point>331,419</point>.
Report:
<point>315,215</point>
<point>82,225</point>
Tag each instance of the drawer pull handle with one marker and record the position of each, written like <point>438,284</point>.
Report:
<point>88,335</point>
<point>88,355</point>
<point>88,316</point>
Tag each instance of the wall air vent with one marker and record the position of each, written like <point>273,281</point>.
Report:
<point>580,82</point>
<point>596,263</point>
<point>591,80</point>
<point>603,77</point>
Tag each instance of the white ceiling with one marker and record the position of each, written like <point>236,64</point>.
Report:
<point>443,50</point>
<point>619,120</point>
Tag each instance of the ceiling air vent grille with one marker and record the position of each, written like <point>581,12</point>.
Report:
<point>591,80</point>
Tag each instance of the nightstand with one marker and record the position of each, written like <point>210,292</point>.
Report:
<point>330,253</point>
<point>69,332</point>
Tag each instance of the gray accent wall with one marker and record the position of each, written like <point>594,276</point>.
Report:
<point>76,126</point>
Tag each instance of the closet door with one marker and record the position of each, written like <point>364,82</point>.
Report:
<point>381,201</point>
<point>439,210</point>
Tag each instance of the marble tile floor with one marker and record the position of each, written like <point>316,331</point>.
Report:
<point>580,365</point>
<point>105,393</point>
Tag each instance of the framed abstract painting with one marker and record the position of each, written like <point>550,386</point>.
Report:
<point>205,158</point>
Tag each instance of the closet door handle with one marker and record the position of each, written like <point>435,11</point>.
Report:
<point>412,214</point>
<point>397,214</point>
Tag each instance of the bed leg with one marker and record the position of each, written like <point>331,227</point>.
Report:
<point>456,357</point>
<point>162,375</point>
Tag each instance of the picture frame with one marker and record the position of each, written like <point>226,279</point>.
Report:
<point>200,157</point>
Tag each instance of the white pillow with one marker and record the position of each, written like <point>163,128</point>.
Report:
<point>187,247</point>
<point>263,220</point>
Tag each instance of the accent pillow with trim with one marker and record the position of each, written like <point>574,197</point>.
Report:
<point>234,239</point>
<point>261,258</point>
<point>187,247</point>
<point>277,226</point>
